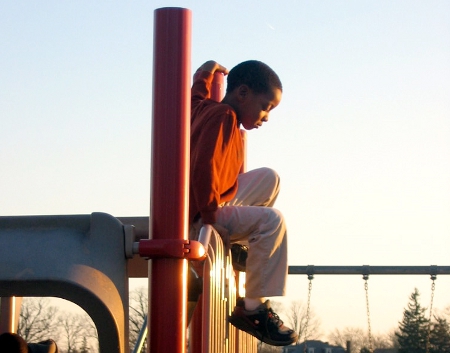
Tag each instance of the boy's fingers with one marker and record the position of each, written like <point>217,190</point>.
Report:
<point>222,69</point>
<point>213,66</point>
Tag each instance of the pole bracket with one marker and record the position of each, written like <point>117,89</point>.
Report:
<point>310,271</point>
<point>365,272</point>
<point>433,272</point>
<point>171,249</point>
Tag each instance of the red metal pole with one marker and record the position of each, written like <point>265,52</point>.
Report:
<point>169,176</point>
<point>9,314</point>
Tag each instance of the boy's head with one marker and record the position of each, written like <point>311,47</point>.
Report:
<point>253,90</point>
<point>13,343</point>
<point>259,77</point>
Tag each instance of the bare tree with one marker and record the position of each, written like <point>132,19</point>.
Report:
<point>387,340</point>
<point>92,335</point>
<point>391,337</point>
<point>446,313</point>
<point>76,329</point>
<point>296,318</point>
<point>355,335</point>
<point>138,311</point>
<point>38,320</point>
<point>359,339</point>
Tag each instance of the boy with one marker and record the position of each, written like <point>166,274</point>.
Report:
<point>231,202</point>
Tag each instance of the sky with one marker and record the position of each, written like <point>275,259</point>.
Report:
<point>361,139</point>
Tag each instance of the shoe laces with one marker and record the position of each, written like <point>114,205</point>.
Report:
<point>275,318</point>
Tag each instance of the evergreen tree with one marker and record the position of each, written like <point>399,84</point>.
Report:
<point>440,336</point>
<point>413,330</point>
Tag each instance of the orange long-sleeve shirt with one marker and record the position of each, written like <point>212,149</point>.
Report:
<point>217,151</point>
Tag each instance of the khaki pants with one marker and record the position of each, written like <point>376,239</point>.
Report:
<point>251,220</point>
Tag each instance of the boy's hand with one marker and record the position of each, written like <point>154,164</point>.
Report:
<point>212,66</point>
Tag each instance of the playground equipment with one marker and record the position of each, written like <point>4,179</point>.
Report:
<point>88,259</point>
<point>209,329</point>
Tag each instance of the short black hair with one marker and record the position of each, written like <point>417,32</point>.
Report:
<point>258,76</point>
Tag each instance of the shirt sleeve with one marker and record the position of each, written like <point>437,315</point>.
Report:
<point>201,88</point>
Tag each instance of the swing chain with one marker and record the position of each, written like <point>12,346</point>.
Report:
<point>433,287</point>
<point>366,288</point>
<point>310,278</point>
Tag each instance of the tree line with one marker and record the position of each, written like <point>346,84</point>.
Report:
<point>415,333</point>
<point>73,332</point>
<point>76,333</point>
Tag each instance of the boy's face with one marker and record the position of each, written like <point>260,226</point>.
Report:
<point>254,108</point>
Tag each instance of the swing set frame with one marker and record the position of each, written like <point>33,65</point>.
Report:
<point>365,271</point>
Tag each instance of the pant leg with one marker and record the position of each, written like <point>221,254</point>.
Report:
<point>258,187</point>
<point>263,230</point>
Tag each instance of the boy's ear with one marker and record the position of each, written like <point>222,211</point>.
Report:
<point>242,92</point>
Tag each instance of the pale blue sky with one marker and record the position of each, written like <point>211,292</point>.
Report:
<point>361,138</point>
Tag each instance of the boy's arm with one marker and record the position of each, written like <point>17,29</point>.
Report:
<point>214,138</point>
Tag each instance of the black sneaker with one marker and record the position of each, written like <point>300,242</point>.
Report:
<point>262,323</point>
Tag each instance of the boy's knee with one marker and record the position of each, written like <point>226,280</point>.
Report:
<point>270,179</point>
<point>275,216</point>
<point>269,173</point>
